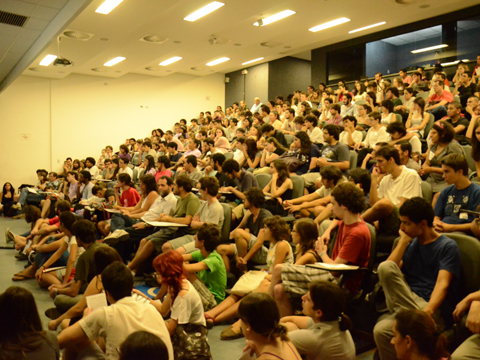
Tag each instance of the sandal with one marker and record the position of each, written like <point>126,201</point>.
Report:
<point>229,334</point>
<point>21,277</point>
<point>210,321</point>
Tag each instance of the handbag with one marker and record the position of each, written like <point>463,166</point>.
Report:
<point>292,160</point>
<point>248,282</point>
<point>190,342</point>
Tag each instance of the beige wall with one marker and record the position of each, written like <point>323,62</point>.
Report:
<point>80,115</point>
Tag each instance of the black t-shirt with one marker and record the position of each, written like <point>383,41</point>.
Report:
<point>466,92</point>
<point>280,136</point>
<point>279,152</point>
<point>461,121</point>
<point>256,226</point>
<point>175,158</point>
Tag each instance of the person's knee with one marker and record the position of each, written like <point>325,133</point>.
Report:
<point>166,247</point>
<point>277,269</point>
<point>143,241</point>
<point>384,206</point>
<point>385,269</point>
<point>278,291</point>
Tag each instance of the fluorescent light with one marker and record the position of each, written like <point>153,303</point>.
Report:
<point>450,63</point>
<point>114,61</point>
<point>251,61</point>
<point>367,27</point>
<point>329,24</point>
<point>47,60</point>
<point>204,11</point>
<point>429,48</point>
<point>465,60</point>
<point>276,17</point>
<point>218,61</point>
<point>170,61</point>
<point>107,6</point>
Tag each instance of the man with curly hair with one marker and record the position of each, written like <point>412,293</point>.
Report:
<point>352,247</point>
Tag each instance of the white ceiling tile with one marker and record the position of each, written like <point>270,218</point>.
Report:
<point>36,24</point>
<point>57,4</point>
<point>44,13</point>
<point>8,30</point>
<point>17,7</point>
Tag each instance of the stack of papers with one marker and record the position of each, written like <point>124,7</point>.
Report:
<point>333,267</point>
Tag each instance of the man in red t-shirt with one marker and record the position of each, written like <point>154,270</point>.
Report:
<point>437,103</point>
<point>352,247</point>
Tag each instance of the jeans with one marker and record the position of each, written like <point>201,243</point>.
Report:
<point>41,258</point>
<point>23,197</point>
<point>439,112</point>
<point>120,222</point>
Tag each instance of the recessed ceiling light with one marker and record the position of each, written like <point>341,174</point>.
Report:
<point>114,61</point>
<point>170,61</point>
<point>218,61</point>
<point>47,60</point>
<point>204,11</point>
<point>251,61</point>
<point>429,48</point>
<point>107,6</point>
<point>273,18</point>
<point>367,27</point>
<point>329,24</point>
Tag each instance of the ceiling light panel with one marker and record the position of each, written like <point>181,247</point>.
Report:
<point>107,6</point>
<point>276,17</point>
<point>218,61</point>
<point>429,48</point>
<point>252,61</point>
<point>367,27</point>
<point>204,11</point>
<point>170,61</point>
<point>47,60</point>
<point>114,61</point>
<point>329,24</point>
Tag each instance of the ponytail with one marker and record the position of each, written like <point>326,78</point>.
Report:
<point>345,322</point>
<point>279,331</point>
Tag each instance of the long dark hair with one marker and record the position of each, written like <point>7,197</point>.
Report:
<point>20,324</point>
<point>125,178</point>
<point>115,172</point>
<point>12,190</point>
<point>151,163</point>
<point>282,171</point>
<point>150,184</point>
<point>261,313</point>
<point>275,142</point>
<point>305,142</point>
<point>32,214</point>
<point>252,149</point>
<point>422,329</point>
<point>307,229</point>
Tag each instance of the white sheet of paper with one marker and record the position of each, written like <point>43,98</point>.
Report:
<point>96,301</point>
<point>54,269</point>
<point>164,224</point>
<point>333,267</point>
<point>32,190</point>
<point>113,211</point>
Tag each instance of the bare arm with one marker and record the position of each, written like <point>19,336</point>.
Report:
<point>439,292</point>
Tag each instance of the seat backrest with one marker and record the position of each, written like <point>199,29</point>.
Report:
<point>470,253</point>
<point>228,155</point>
<point>263,180</point>
<point>353,159</point>
<point>427,191</point>
<point>402,98</point>
<point>360,102</point>
<point>399,118</point>
<point>135,175</point>
<point>422,94</point>
<point>227,223</point>
<point>468,156</point>
<point>429,126</point>
<point>289,139</point>
<point>140,174</point>
<point>298,186</point>
<point>135,158</point>
<point>373,246</point>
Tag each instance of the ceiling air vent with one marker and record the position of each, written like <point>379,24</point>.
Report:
<point>405,2</point>
<point>12,19</point>
<point>77,35</point>
<point>156,39</point>
<point>270,44</point>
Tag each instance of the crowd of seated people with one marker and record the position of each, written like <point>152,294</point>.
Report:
<point>281,186</point>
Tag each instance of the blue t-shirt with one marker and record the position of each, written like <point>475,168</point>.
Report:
<point>306,159</point>
<point>451,200</point>
<point>421,264</point>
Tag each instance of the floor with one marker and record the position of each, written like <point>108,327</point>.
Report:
<point>221,350</point>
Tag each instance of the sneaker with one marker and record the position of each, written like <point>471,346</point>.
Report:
<point>116,237</point>
<point>21,256</point>
<point>17,206</point>
<point>9,236</point>
<point>52,313</point>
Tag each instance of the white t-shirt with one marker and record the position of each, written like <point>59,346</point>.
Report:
<point>323,340</point>
<point>374,137</point>
<point>356,136</point>
<point>390,118</point>
<point>407,185</point>
<point>94,171</point>
<point>238,156</point>
<point>73,241</point>
<point>117,321</point>
<point>316,135</point>
<point>416,144</point>
<point>126,171</point>
<point>188,309</point>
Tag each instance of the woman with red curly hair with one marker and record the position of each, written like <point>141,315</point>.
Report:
<point>182,299</point>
